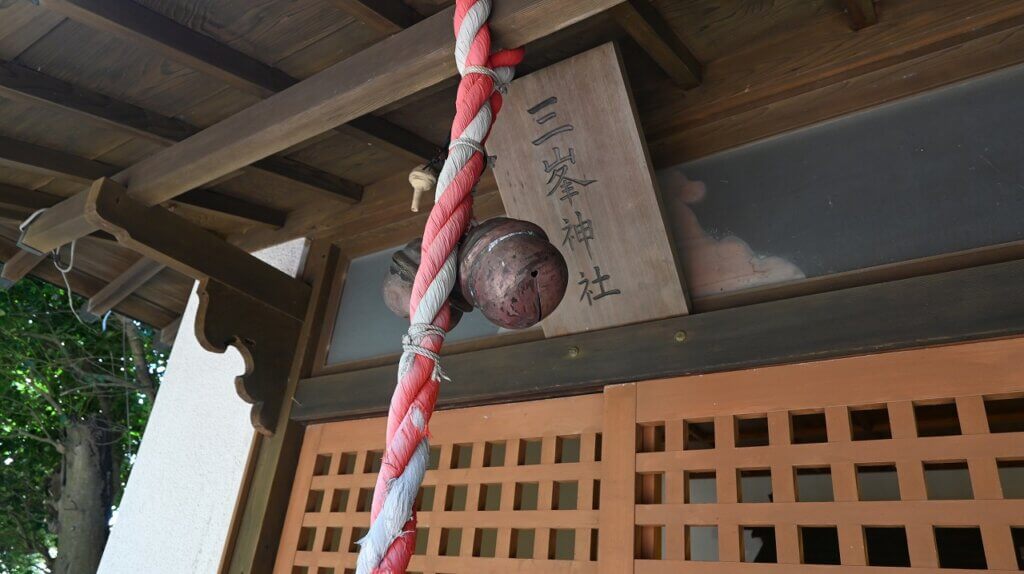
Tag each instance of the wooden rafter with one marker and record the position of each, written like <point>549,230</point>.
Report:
<point>23,202</point>
<point>644,24</point>
<point>184,45</point>
<point>386,72</point>
<point>861,13</point>
<point>85,284</point>
<point>20,83</point>
<point>53,163</point>
<point>386,16</point>
<point>19,265</point>
<point>123,286</point>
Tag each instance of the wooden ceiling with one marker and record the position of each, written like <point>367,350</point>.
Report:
<point>89,87</point>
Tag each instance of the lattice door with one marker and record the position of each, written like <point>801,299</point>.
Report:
<point>511,488</point>
<point>869,464</point>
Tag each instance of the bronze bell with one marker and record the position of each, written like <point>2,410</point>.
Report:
<point>511,272</point>
<point>397,288</point>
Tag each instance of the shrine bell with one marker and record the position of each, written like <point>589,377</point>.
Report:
<point>397,288</point>
<point>511,272</point>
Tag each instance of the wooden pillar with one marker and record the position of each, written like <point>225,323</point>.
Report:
<point>615,551</point>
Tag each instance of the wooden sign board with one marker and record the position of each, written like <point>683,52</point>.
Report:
<point>571,158</point>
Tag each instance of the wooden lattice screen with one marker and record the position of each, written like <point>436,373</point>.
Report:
<point>869,464</point>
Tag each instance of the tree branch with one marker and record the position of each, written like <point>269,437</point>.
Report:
<point>49,441</point>
<point>142,374</point>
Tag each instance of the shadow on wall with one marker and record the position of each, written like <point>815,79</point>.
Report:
<point>714,265</point>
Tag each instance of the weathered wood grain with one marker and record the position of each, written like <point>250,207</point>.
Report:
<point>949,64</point>
<point>181,44</point>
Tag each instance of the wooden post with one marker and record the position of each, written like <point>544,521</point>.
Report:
<point>260,510</point>
<point>615,548</point>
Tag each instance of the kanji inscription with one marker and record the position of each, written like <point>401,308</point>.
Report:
<point>571,158</point>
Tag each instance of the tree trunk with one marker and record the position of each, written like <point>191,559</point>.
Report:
<point>85,498</point>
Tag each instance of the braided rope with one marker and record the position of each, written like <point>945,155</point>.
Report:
<point>390,542</point>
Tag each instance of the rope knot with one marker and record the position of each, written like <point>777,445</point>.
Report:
<point>468,142</point>
<point>500,78</point>
<point>411,344</point>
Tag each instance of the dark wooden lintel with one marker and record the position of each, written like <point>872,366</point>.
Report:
<point>967,304</point>
<point>644,24</point>
<point>861,13</point>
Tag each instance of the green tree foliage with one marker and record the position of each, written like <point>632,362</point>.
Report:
<point>58,372</point>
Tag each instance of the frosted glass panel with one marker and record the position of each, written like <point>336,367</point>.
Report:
<point>366,328</point>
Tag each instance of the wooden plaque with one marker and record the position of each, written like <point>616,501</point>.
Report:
<point>571,158</point>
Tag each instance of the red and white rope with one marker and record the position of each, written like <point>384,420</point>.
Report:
<point>390,542</point>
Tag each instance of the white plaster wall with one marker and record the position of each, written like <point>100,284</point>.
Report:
<point>177,506</point>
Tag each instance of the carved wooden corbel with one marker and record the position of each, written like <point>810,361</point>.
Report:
<point>266,338</point>
<point>244,302</point>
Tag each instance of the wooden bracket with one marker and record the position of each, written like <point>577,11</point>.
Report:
<point>244,302</point>
<point>266,338</point>
<point>174,241</point>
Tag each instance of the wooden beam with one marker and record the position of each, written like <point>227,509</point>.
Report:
<point>862,13</point>
<point>20,155</point>
<point>25,201</point>
<point>53,163</point>
<point>23,84</point>
<point>968,304</point>
<point>19,265</point>
<point>216,202</point>
<point>174,241</point>
<point>388,71</point>
<point>134,22</point>
<point>123,286</point>
<point>382,132</point>
<point>386,16</point>
<point>644,24</point>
